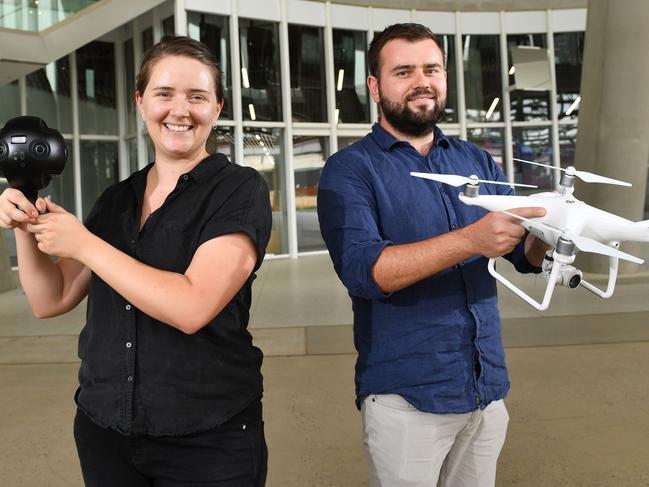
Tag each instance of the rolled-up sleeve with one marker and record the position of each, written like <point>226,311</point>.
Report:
<point>348,216</point>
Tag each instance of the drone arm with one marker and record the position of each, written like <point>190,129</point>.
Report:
<point>612,277</point>
<point>549,290</point>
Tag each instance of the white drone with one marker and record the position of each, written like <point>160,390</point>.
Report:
<point>569,225</point>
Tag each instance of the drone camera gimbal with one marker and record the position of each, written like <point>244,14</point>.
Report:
<point>30,154</point>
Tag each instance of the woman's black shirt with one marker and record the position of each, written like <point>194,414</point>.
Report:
<point>141,376</point>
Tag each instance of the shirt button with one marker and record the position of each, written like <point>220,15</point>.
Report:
<point>185,177</point>
<point>454,226</point>
<point>129,344</point>
<point>128,307</point>
<point>130,378</point>
<point>132,242</point>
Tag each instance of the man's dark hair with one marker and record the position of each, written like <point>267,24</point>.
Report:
<point>408,31</point>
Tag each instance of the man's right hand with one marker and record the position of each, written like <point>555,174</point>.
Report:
<point>496,234</point>
<point>16,210</point>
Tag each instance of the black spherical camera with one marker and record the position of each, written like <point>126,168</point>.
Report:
<point>30,154</point>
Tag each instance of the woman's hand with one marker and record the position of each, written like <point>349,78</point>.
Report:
<point>16,211</point>
<point>59,233</point>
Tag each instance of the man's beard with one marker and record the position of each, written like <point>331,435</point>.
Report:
<point>408,122</point>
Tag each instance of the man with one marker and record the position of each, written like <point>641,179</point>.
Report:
<point>431,374</point>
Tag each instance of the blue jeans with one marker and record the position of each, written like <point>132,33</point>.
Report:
<point>233,454</point>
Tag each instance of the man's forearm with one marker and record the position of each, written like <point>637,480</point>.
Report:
<point>400,266</point>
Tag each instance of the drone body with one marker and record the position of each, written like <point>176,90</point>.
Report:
<point>569,225</point>
<point>568,215</point>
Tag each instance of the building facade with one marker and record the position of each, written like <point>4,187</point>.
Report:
<point>295,85</point>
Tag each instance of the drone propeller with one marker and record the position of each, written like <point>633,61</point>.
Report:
<point>584,244</point>
<point>455,180</point>
<point>586,176</point>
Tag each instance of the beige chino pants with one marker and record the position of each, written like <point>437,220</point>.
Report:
<point>410,448</point>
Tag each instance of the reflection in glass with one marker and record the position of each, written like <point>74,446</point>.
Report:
<point>263,150</point>
<point>99,170</point>
<point>147,39</point>
<point>214,32</point>
<point>129,81</point>
<point>350,71</point>
<point>35,15</point>
<point>96,88</point>
<point>491,140</point>
<point>568,58</point>
<point>346,141</point>
<point>222,141</point>
<point>532,144</point>
<point>9,102</point>
<point>450,114</point>
<point>8,235</point>
<point>527,104</point>
<point>261,95</point>
<point>131,149</point>
<point>306,54</point>
<point>61,188</point>
<point>309,155</point>
<point>567,144</point>
<point>48,95</point>
<point>482,81</point>
<point>168,26</point>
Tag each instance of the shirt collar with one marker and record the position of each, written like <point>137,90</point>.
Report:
<point>201,172</point>
<point>387,141</point>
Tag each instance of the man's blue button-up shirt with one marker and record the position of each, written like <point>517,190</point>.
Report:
<point>438,342</point>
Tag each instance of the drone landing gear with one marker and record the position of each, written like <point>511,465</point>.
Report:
<point>557,270</point>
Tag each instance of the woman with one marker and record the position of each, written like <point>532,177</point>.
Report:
<point>170,383</point>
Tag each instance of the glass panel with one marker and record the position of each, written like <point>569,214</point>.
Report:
<point>350,71</point>
<point>61,188</point>
<point>129,77</point>
<point>38,15</point>
<point>9,102</point>
<point>147,39</point>
<point>263,149</point>
<point>527,104</point>
<point>450,114</point>
<point>346,141</point>
<point>261,95</point>
<point>491,140</point>
<point>214,32</point>
<point>482,80</point>
<point>306,54</point>
<point>309,155</point>
<point>150,151</point>
<point>131,149</point>
<point>568,59</point>
<point>567,144</point>
<point>532,144</point>
<point>48,95</point>
<point>168,26</point>
<point>8,235</point>
<point>98,170</point>
<point>96,88</point>
<point>225,142</point>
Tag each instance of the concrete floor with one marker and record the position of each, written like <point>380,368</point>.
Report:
<point>578,403</point>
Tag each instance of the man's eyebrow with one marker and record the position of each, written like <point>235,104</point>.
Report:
<point>171,88</point>
<point>400,67</point>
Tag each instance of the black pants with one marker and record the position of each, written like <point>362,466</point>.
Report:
<point>231,455</point>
